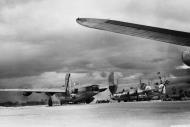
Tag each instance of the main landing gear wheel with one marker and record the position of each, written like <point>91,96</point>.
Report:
<point>50,102</point>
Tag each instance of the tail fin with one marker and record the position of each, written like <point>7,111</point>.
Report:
<point>142,85</point>
<point>112,84</point>
<point>67,76</point>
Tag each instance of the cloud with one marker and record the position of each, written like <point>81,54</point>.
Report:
<point>52,40</point>
<point>41,38</point>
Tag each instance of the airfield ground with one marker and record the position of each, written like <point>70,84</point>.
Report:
<point>132,114</point>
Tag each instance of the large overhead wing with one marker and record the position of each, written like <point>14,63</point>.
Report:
<point>34,90</point>
<point>153,33</point>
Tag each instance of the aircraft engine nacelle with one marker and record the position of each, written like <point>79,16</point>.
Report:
<point>26,93</point>
<point>186,57</point>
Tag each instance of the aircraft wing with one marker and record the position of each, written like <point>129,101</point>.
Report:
<point>153,33</point>
<point>34,90</point>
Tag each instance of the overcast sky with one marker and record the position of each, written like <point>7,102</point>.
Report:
<point>40,41</point>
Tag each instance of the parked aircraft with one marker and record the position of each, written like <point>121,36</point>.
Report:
<point>77,95</point>
<point>125,95</point>
<point>148,32</point>
<point>142,92</point>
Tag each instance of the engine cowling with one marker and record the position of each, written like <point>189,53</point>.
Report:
<point>186,57</point>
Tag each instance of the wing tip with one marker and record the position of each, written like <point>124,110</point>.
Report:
<point>90,22</point>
